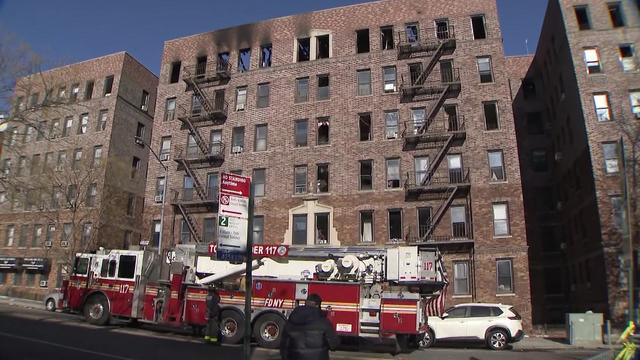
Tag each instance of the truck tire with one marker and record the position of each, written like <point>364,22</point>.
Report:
<point>427,340</point>
<point>50,305</point>
<point>268,330</point>
<point>231,327</point>
<point>96,310</point>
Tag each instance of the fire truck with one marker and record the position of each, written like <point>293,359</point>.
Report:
<point>367,292</point>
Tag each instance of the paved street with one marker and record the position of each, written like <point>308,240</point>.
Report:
<point>34,334</point>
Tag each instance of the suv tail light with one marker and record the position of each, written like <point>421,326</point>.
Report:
<point>515,316</point>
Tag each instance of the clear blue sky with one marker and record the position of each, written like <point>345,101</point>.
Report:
<point>66,31</point>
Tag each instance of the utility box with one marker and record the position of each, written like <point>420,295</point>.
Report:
<point>584,328</point>
<point>402,264</point>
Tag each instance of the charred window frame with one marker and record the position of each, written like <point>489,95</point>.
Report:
<point>244,60</point>
<point>386,37</point>
<point>582,17</point>
<point>174,76</point>
<point>304,49</point>
<point>616,14</point>
<point>266,55</point>
<point>362,41</point>
<point>323,46</point>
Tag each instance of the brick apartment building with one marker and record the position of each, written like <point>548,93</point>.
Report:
<point>388,122</point>
<point>582,86</point>
<point>72,176</point>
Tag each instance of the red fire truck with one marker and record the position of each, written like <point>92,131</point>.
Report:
<point>367,292</point>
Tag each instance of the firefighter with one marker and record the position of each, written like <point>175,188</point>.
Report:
<point>308,334</point>
<point>213,312</point>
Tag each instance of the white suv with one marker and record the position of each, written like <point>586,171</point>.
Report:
<point>496,324</point>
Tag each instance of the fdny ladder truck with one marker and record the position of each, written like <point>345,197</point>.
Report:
<point>367,292</point>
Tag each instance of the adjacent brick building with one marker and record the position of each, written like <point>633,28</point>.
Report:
<point>388,122</point>
<point>73,177</point>
<point>581,90</point>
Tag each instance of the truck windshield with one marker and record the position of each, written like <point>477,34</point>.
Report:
<point>81,266</point>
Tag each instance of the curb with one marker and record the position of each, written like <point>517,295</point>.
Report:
<point>21,302</point>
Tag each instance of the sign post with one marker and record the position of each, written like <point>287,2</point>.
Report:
<point>248,281</point>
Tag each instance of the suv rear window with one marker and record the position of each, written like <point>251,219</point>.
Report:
<point>495,311</point>
<point>513,310</point>
<point>480,311</point>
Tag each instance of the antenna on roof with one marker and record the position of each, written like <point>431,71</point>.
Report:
<point>526,45</point>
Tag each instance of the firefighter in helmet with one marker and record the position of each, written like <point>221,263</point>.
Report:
<point>213,313</point>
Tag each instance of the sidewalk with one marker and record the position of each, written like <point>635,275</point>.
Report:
<point>547,343</point>
<point>26,303</point>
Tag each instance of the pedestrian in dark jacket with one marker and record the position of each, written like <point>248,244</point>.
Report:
<point>308,334</point>
<point>213,312</point>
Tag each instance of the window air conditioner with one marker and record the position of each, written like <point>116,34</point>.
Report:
<point>236,149</point>
<point>64,243</point>
<point>164,157</point>
<point>43,283</point>
<point>157,198</point>
<point>390,87</point>
<point>240,106</point>
<point>48,243</point>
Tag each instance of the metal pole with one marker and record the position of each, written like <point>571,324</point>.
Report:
<point>248,281</point>
<point>164,197</point>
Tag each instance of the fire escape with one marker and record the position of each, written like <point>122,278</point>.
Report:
<point>206,81</point>
<point>432,132</point>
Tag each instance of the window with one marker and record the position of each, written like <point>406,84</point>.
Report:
<point>364,82</point>
<point>323,46</point>
<point>500,219</point>
<point>258,229</point>
<point>535,125</point>
<point>393,173</point>
<point>102,120</point>
<point>97,156</point>
<point>263,95</point>
<point>201,66</point>
<point>108,86</point>
<point>582,16</point>
<point>461,278</point>
<point>266,53</point>
<point>322,178</point>
<point>418,116</point>
<point>478,26</point>
<point>300,229</point>
<point>241,98</point>
<point>92,192</point>
<point>144,101</point>
<point>42,128</point>
<point>496,166</point>
<point>155,232</point>
<point>28,137</point>
<point>185,233</point>
<point>140,130</point>
<point>618,212</point>
<point>131,204</point>
<point>366,175</point>
<point>260,141</point>
<point>592,60</point>
<point>364,125</point>
<point>24,234</point>
<point>323,87</point>
<point>33,100</point>
<point>421,168</point>
<point>237,140</point>
<point>366,226</point>
<point>611,155</point>
<point>300,179</point>
<point>22,164</point>
<point>17,278</point>
<point>75,90</point>
<point>35,164</point>
<point>539,161</point>
<point>634,98</point>
<point>244,60</point>
<point>322,229</point>
<point>62,160</point>
<point>412,32</point>
<point>442,29</point>
<point>165,147</point>
<point>170,109</point>
<point>386,37</point>
<point>62,93</point>
<point>77,157</point>
<point>389,77</point>
<point>491,115</point>
<point>68,124</point>
<point>88,90</point>
<point>304,49</point>
<point>135,166</point>
<point>174,75</point>
<point>391,124</point>
<point>6,167</point>
<point>627,57</point>
<point>395,225</point>
<point>9,237</point>
<point>127,268</point>
<point>300,132</point>
<point>615,12</point>
<point>485,69</point>
<point>302,90</point>
<point>86,233</point>
<point>505,276</point>
<point>603,110</point>
<point>160,184</point>
<point>84,124</point>
<point>459,221</point>
<point>223,61</point>
<point>258,181</point>
<point>362,41</point>
<point>323,131</point>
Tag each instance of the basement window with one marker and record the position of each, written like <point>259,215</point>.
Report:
<point>175,72</point>
<point>266,52</point>
<point>323,131</point>
<point>582,16</point>
<point>244,60</point>
<point>479,29</point>
<point>362,41</point>
<point>304,49</point>
<point>615,12</point>
<point>386,38</point>
<point>364,125</point>
<point>322,47</point>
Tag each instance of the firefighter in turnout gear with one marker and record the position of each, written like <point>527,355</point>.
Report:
<point>213,312</point>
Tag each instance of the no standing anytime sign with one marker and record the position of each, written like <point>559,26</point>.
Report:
<point>233,214</point>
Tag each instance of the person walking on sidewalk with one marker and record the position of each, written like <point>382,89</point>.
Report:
<point>308,334</point>
<point>213,312</point>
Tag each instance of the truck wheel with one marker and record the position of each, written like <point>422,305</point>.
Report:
<point>427,340</point>
<point>96,310</point>
<point>268,330</point>
<point>497,339</point>
<point>231,327</point>
<point>50,304</point>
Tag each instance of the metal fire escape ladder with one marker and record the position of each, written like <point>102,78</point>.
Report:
<point>446,199</point>
<point>196,135</point>
<point>202,97</point>
<point>430,65</point>
<point>435,108</point>
<point>444,147</point>
<point>194,177</point>
<point>191,223</point>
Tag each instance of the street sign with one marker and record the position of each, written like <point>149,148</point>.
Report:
<point>235,184</point>
<point>264,250</point>
<point>233,215</point>
<point>211,249</point>
<point>233,205</point>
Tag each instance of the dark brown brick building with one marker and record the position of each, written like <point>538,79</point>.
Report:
<point>381,123</point>
<point>73,177</point>
<point>581,90</point>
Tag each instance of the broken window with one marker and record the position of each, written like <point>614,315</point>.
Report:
<point>611,163</point>
<point>174,77</point>
<point>323,131</point>
<point>386,37</point>
<point>627,57</point>
<point>424,220</point>
<point>393,173</point>
<point>484,69</point>
<point>108,85</point>
<point>496,165</point>
<point>201,65</point>
<point>260,142</point>
<point>603,110</point>
<point>539,161</point>
<point>299,229</point>
<point>244,60</point>
<point>364,125</point>
<point>266,52</point>
<point>322,229</point>
<point>362,41</point>
<point>223,61</point>
<point>395,225</point>
<point>322,47</point>
<point>364,82</point>
<point>304,49</point>
<point>366,226</point>
<point>237,140</point>
<point>75,90</point>
<point>88,90</point>
<point>302,90</point>
<point>391,124</point>
<point>412,32</point>
<point>478,26</point>
<point>615,12</point>
<point>241,98</point>
<point>300,179</point>
<point>592,60</point>
<point>300,132</point>
<point>263,95</point>
<point>366,175</point>
<point>322,178</point>
<point>323,87</point>
<point>442,29</point>
<point>491,115</point>
<point>459,221</point>
<point>582,16</point>
<point>389,78</point>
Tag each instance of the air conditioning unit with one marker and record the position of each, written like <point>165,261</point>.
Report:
<point>164,157</point>
<point>390,87</point>
<point>157,198</point>
<point>236,149</point>
<point>240,107</point>
<point>64,243</point>
<point>43,283</point>
<point>48,243</point>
